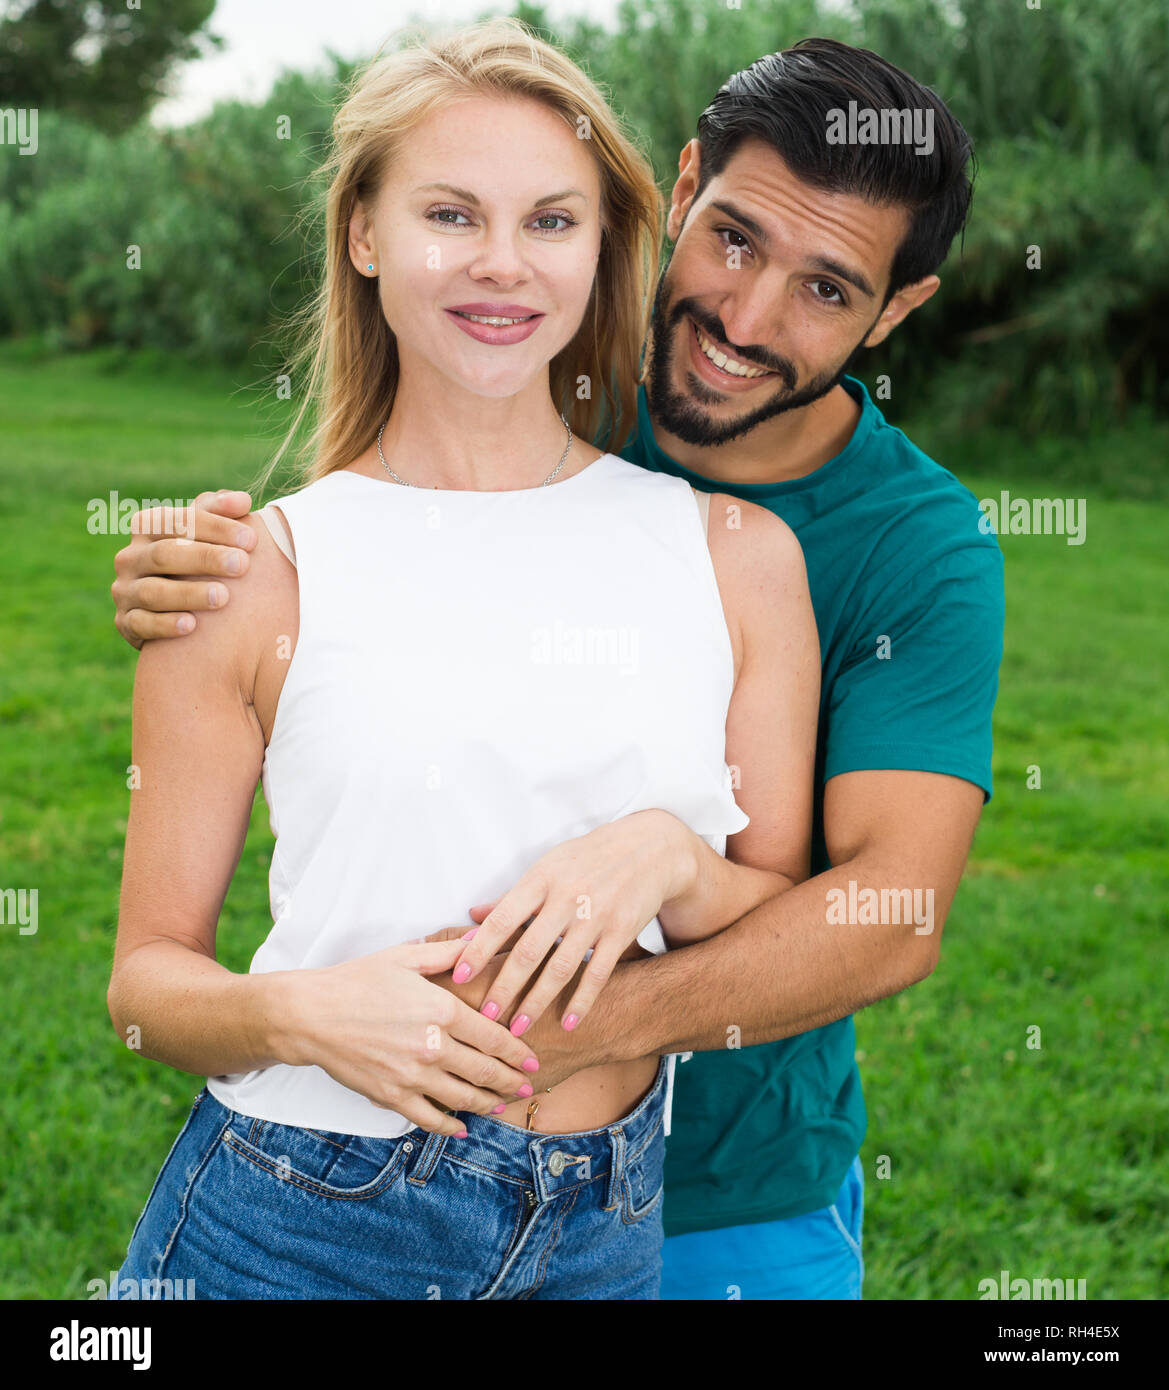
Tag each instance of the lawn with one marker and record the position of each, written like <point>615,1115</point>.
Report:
<point>1048,1161</point>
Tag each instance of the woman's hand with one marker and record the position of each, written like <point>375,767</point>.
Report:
<point>596,892</point>
<point>376,1025</point>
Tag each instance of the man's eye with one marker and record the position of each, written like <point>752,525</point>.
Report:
<point>739,241</point>
<point>833,295</point>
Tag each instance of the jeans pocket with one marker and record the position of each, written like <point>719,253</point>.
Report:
<point>643,1179</point>
<point>320,1161</point>
<point>166,1163</point>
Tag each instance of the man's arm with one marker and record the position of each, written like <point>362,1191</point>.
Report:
<point>789,966</point>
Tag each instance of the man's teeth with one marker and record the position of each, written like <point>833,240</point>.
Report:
<point>496,320</point>
<point>722,361</point>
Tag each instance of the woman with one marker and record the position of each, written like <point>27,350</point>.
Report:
<point>477,659</point>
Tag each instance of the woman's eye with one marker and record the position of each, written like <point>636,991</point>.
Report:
<point>833,295</point>
<point>447,217</point>
<point>547,222</point>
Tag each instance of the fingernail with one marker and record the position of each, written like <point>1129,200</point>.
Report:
<point>525,1090</point>
<point>499,1109</point>
<point>462,972</point>
<point>491,1009</point>
<point>571,1021</point>
<point>462,1134</point>
<point>243,536</point>
<point>185,624</point>
<point>470,935</point>
<point>518,1024</point>
<point>215,595</point>
<point>233,563</point>
<point>530,1064</point>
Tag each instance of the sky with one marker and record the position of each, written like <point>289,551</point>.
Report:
<point>265,36</point>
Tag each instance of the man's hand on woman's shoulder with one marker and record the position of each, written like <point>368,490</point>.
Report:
<point>161,576</point>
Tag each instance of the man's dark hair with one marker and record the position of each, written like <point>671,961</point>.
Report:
<point>785,99</point>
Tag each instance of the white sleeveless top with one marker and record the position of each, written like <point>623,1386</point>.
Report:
<point>478,677</point>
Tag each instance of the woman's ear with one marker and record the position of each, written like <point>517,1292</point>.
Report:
<point>362,251</point>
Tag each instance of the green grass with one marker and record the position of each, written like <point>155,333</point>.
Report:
<point>1048,1162</point>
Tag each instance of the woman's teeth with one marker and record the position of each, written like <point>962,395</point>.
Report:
<point>722,361</point>
<point>495,320</point>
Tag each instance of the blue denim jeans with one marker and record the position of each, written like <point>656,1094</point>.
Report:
<point>817,1256</point>
<point>247,1208</point>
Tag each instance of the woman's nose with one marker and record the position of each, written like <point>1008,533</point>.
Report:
<point>499,258</point>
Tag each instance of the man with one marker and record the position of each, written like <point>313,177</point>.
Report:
<point>796,244</point>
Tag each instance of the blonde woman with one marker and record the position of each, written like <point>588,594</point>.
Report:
<point>477,658</point>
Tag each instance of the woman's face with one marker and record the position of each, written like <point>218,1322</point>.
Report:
<point>491,211</point>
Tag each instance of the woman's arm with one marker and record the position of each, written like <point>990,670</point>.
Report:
<point>197,749</point>
<point>198,745</point>
<point>650,864</point>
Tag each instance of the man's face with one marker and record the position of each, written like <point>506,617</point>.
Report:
<point>771,288</point>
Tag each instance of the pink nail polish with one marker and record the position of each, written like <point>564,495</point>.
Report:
<point>499,1109</point>
<point>519,1024</point>
<point>571,1021</point>
<point>491,1009</point>
<point>462,973</point>
<point>462,1134</point>
<point>525,1090</point>
<point>530,1064</point>
<point>470,935</point>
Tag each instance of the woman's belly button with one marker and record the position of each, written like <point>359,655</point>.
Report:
<point>587,1100</point>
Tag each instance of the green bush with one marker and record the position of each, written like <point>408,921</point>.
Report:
<point>212,208</point>
<point>1067,105</point>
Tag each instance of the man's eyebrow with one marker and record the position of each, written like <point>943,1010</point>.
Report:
<point>465,195</point>
<point>824,263</point>
<point>748,223</point>
<point>842,272</point>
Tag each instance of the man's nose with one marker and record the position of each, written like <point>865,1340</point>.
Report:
<point>750,323</point>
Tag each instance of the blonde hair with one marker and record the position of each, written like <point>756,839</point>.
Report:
<point>343,347</point>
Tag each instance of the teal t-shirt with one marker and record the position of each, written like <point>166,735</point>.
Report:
<point>908,595</point>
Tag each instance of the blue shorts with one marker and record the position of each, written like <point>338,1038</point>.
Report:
<point>246,1208</point>
<point>816,1256</point>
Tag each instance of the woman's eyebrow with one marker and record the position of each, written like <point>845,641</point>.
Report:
<point>466,196</point>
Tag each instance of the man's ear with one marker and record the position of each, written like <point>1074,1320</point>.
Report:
<point>685,187</point>
<point>902,304</point>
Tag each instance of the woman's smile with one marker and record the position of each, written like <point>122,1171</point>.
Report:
<point>498,324</point>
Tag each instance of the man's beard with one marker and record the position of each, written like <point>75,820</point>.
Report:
<point>681,417</point>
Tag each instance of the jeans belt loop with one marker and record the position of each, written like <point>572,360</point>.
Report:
<point>616,1168</point>
<point>427,1159</point>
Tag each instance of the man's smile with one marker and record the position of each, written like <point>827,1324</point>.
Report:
<point>719,366</point>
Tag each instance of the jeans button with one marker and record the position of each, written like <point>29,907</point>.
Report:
<point>556,1163</point>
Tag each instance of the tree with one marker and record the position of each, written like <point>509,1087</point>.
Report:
<point>102,60</point>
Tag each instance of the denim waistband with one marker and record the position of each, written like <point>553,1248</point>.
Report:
<point>551,1163</point>
<point>547,1164</point>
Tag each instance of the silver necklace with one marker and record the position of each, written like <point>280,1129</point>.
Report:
<point>547,480</point>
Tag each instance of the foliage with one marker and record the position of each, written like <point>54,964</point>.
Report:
<point>1067,105</point>
<point>101,60</point>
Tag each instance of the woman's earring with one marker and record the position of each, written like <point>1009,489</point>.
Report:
<point>369,267</point>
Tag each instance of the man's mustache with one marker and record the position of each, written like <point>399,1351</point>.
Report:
<point>755,355</point>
